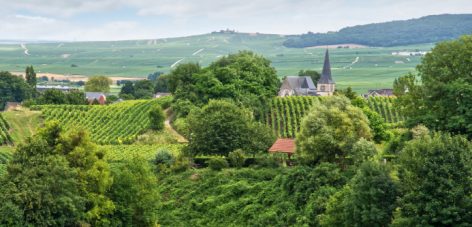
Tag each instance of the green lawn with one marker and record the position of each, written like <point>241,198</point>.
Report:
<point>375,68</point>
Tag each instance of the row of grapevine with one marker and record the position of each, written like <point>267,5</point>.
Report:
<point>119,123</point>
<point>117,153</point>
<point>5,137</point>
<point>384,106</point>
<point>285,114</point>
<point>5,157</point>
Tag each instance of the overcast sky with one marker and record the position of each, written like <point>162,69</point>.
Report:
<point>146,19</point>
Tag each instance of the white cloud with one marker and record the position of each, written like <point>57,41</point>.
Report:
<point>62,19</point>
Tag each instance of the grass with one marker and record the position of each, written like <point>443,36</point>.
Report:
<point>376,67</point>
<point>23,123</point>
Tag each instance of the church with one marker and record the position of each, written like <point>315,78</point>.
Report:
<point>303,85</point>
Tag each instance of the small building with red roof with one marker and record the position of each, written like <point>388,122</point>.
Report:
<point>286,146</point>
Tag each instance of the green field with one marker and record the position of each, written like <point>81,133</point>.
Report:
<point>375,68</point>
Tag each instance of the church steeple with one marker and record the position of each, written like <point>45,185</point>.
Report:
<point>326,85</point>
<point>326,73</point>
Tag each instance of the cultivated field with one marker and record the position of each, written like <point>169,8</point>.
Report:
<point>361,68</point>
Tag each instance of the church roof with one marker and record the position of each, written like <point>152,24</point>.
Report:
<point>326,73</point>
<point>302,85</point>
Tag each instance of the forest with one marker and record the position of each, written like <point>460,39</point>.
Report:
<point>429,29</point>
<point>199,157</point>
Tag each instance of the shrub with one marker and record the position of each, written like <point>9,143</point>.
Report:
<point>157,117</point>
<point>181,164</point>
<point>236,158</point>
<point>218,163</point>
<point>164,157</point>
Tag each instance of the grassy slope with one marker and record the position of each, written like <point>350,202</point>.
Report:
<point>23,123</point>
<point>376,66</point>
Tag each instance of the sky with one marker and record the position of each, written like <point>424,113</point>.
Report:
<point>87,20</point>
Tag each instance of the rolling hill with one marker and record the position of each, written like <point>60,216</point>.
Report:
<point>362,68</point>
<point>429,29</point>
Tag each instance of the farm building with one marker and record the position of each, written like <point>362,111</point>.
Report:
<point>304,86</point>
<point>99,96</point>
<point>286,146</point>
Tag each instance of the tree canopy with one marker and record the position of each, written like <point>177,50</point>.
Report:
<point>13,89</point>
<point>441,100</point>
<point>98,84</point>
<point>330,129</point>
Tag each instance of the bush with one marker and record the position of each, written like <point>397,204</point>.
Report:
<point>181,126</point>
<point>181,164</point>
<point>157,117</point>
<point>164,157</point>
<point>236,158</point>
<point>218,163</point>
<point>270,161</point>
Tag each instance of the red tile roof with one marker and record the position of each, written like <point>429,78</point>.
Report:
<point>283,146</point>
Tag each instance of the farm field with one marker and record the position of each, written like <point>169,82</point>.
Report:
<point>360,68</point>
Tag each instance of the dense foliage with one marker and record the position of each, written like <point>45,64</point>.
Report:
<point>330,129</point>
<point>246,78</point>
<point>98,84</point>
<point>111,124</point>
<point>57,97</point>
<point>221,127</point>
<point>436,177</point>
<point>441,100</point>
<point>13,89</point>
<point>429,29</point>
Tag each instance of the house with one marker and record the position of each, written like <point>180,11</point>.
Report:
<point>303,85</point>
<point>99,96</point>
<point>286,146</point>
<point>297,86</point>
<point>326,85</point>
<point>386,92</point>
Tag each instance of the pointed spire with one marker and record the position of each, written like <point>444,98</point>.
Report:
<point>326,73</point>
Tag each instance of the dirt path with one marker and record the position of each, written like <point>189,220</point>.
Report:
<point>167,124</point>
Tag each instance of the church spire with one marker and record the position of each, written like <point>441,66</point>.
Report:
<point>326,73</point>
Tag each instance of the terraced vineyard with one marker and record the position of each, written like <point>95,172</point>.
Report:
<point>5,156</point>
<point>5,137</point>
<point>285,114</point>
<point>119,123</point>
<point>384,106</point>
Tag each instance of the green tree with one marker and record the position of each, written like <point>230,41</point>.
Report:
<point>127,90</point>
<point>40,188</point>
<point>30,76</point>
<point>157,117</point>
<point>330,129</point>
<point>13,89</point>
<point>436,177</point>
<point>377,125</point>
<point>135,194</point>
<point>219,128</point>
<point>52,96</point>
<point>348,92</point>
<point>143,89</point>
<point>182,76</point>
<point>443,97</point>
<point>315,76</point>
<point>162,84</point>
<point>367,200</point>
<point>98,84</point>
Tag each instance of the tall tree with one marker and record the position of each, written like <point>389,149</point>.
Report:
<point>436,177</point>
<point>98,84</point>
<point>330,129</point>
<point>30,76</point>
<point>442,98</point>
<point>13,89</point>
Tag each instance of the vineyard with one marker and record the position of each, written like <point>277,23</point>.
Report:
<point>117,153</point>
<point>5,156</point>
<point>118,123</point>
<point>285,113</point>
<point>384,106</point>
<point>5,137</point>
